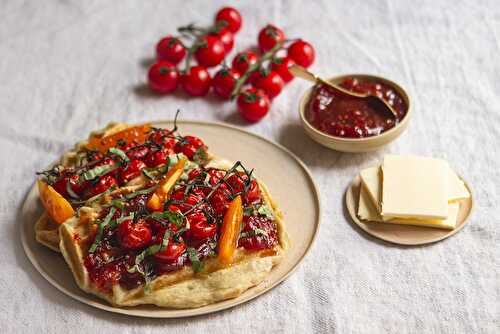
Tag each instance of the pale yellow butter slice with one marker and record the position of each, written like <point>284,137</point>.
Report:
<point>456,187</point>
<point>414,187</point>
<point>371,180</point>
<point>368,212</point>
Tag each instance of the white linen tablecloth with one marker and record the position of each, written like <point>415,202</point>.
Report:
<point>68,67</point>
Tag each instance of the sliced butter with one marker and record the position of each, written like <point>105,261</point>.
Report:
<point>371,180</point>
<point>368,212</point>
<point>414,187</point>
<point>456,187</point>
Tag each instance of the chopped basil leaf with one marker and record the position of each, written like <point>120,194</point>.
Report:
<point>264,210</point>
<point>248,211</point>
<point>172,216</point>
<point>70,191</point>
<point>195,260</point>
<point>200,156</point>
<point>97,171</point>
<point>113,224</point>
<point>116,203</point>
<point>100,230</point>
<point>141,192</point>
<point>253,233</point>
<point>147,173</point>
<point>151,250</point>
<point>119,153</point>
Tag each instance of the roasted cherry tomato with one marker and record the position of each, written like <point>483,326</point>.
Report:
<point>132,171</point>
<point>189,145</point>
<point>224,82</point>
<point>232,18</point>
<point>269,36</point>
<point>194,173</point>
<point>104,183</point>
<point>237,183</point>
<point>243,60</point>
<point>302,53</point>
<point>270,82</point>
<point>227,39</point>
<point>136,152</point>
<point>61,186</point>
<point>183,201</point>
<point>253,104</point>
<point>172,252</point>
<point>267,238</point>
<point>281,65</point>
<point>170,49</point>
<point>133,236</point>
<point>156,158</point>
<point>163,77</point>
<point>197,81</point>
<point>199,228</point>
<point>211,52</point>
<point>220,200</point>
<point>162,137</point>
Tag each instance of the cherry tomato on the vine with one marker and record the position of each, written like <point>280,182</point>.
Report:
<point>196,82</point>
<point>227,39</point>
<point>134,236</point>
<point>210,51</point>
<point>163,77</point>
<point>281,65</point>
<point>269,36</point>
<point>170,49</point>
<point>224,82</point>
<point>270,82</point>
<point>232,18</point>
<point>199,228</point>
<point>172,252</point>
<point>302,53</point>
<point>189,145</point>
<point>253,104</point>
<point>243,60</point>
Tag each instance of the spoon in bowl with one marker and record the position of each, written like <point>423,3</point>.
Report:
<point>373,100</point>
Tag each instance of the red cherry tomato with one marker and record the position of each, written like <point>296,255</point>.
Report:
<point>220,200</point>
<point>243,60</point>
<point>302,53</point>
<point>270,82</point>
<point>170,49</point>
<point>189,145</point>
<point>237,183</point>
<point>163,77</point>
<point>156,158</point>
<point>232,18</point>
<point>227,39</point>
<point>133,236</point>
<point>281,65</point>
<point>172,252</point>
<point>137,153</point>
<point>253,104</point>
<point>104,183</point>
<point>224,82</point>
<point>196,82</point>
<point>78,188</point>
<point>132,171</point>
<point>210,52</point>
<point>199,228</point>
<point>269,36</point>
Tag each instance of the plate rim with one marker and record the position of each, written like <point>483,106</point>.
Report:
<point>189,312</point>
<point>362,225</point>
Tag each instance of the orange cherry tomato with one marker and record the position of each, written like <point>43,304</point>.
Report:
<point>137,133</point>
<point>155,202</point>
<point>230,231</point>
<point>57,206</point>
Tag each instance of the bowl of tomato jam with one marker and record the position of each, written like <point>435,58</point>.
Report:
<point>350,124</point>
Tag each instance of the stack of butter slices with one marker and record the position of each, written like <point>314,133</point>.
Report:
<point>411,190</point>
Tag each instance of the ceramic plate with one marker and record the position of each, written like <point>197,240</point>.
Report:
<point>403,234</point>
<point>290,185</point>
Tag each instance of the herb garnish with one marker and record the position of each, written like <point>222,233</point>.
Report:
<point>100,230</point>
<point>151,250</point>
<point>172,216</point>
<point>119,153</point>
<point>141,192</point>
<point>97,171</point>
<point>195,260</point>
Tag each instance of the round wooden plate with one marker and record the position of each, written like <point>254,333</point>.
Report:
<point>290,184</point>
<point>403,234</point>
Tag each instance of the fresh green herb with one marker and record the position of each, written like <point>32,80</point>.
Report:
<point>151,250</point>
<point>116,203</point>
<point>200,156</point>
<point>253,233</point>
<point>114,223</point>
<point>141,192</point>
<point>119,153</point>
<point>97,171</point>
<point>100,230</point>
<point>149,174</point>
<point>195,260</point>
<point>172,216</point>
<point>248,211</point>
<point>264,210</point>
<point>70,191</point>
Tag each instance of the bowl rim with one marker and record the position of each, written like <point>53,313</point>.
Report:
<point>307,94</point>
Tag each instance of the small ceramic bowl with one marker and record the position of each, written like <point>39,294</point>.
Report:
<point>355,144</point>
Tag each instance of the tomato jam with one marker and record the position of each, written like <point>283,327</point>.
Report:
<point>339,115</point>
